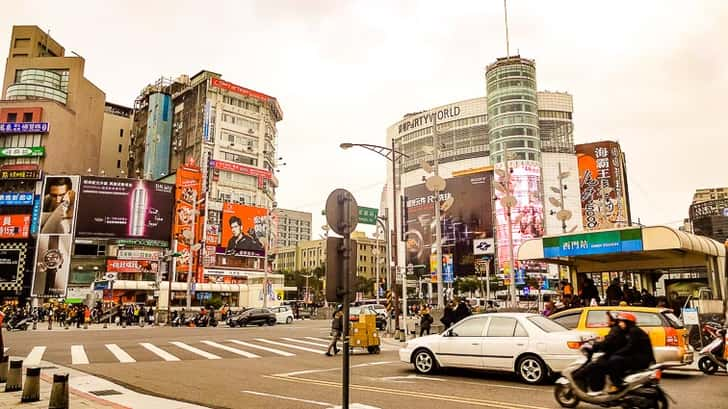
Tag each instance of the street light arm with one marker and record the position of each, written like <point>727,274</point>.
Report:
<point>388,153</point>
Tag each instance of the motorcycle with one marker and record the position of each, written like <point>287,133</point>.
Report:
<point>640,390</point>
<point>18,323</point>
<point>712,356</point>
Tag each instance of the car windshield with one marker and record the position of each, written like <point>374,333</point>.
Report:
<point>546,324</point>
<point>673,320</point>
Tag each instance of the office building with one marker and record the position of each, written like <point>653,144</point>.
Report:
<point>115,137</point>
<point>290,227</point>
<point>704,195</point>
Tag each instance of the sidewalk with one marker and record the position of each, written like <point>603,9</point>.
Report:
<point>88,391</point>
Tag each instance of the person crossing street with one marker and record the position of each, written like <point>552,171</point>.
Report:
<point>337,325</point>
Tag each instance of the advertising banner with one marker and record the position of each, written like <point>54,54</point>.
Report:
<point>9,260</point>
<point>600,242</point>
<point>448,275</point>
<point>243,230</point>
<point>261,174</point>
<point>14,226</point>
<point>24,127</point>
<point>469,218</point>
<point>22,152</point>
<point>152,255</point>
<point>16,199</point>
<point>526,215</point>
<point>57,225</point>
<point>603,184</point>
<point>132,266</point>
<point>189,190</point>
<point>124,208</point>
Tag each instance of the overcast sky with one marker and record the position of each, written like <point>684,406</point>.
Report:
<point>651,74</point>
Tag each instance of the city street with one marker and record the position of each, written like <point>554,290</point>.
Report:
<point>284,366</point>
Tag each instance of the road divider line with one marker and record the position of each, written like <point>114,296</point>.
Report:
<point>316,344</point>
<point>159,352</point>
<point>318,339</point>
<point>120,354</point>
<point>194,350</point>
<point>35,356</point>
<point>78,355</point>
<point>270,395</point>
<point>275,351</point>
<point>231,349</point>
<point>280,344</point>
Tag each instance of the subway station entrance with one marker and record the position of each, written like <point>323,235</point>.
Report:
<point>664,261</point>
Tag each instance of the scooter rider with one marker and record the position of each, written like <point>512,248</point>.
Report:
<point>594,373</point>
<point>636,354</point>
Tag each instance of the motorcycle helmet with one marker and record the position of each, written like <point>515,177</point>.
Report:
<point>627,316</point>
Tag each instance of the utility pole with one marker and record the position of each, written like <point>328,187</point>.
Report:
<point>438,227</point>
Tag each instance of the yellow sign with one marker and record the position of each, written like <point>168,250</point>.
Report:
<point>279,295</point>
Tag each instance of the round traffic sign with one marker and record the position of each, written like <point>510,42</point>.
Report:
<point>342,212</point>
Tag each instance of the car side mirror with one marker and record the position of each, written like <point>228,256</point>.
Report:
<point>448,333</point>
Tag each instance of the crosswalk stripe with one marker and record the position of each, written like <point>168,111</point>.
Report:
<point>317,344</point>
<point>78,355</point>
<point>35,355</point>
<point>194,350</point>
<point>230,349</point>
<point>275,351</point>
<point>159,352</point>
<point>317,351</point>
<point>120,354</point>
<point>318,339</point>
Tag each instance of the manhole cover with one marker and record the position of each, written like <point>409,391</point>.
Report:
<point>106,392</point>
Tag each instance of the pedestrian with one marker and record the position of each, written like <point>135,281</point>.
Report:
<point>426,321</point>
<point>647,299</point>
<point>614,293</point>
<point>589,292</point>
<point>337,325</point>
<point>462,311</point>
<point>448,316</point>
<point>86,316</point>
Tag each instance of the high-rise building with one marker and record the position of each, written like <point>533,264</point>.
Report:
<point>291,226</point>
<point>115,140</point>
<point>706,194</point>
<point>709,213</point>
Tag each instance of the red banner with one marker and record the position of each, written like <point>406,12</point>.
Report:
<point>189,189</point>
<point>131,266</point>
<point>243,170</point>
<point>14,226</point>
<point>229,86</point>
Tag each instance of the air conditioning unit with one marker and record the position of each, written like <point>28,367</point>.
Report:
<point>251,130</point>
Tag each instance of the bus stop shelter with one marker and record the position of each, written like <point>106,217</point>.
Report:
<point>654,248</point>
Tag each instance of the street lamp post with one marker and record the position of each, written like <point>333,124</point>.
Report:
<point>393,156</point>
<point>508,201</point>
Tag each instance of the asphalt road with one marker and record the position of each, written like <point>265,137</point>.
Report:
<point>284,367</point>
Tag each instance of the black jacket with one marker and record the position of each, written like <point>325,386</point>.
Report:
<point>613,342</point>
<point>638,349</point>
<point>337,323</point>
<point>589,292</point>
<point>426,321</point>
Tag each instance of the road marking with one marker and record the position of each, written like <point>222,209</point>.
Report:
<point>230,349</point>
<point>317,351</point>
<point>422,395</point>
<point>78,355</point>
<point>318,339</point>
<point>275,351</point>
<point>120,354</point>
<point>270,395</point>
<point>35,355</point>
<point>309,371</point>
<point>194,350</point>
<point>316,344</point>
<point>159,352</point>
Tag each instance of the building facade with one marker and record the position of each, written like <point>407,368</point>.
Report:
<point>290,227</point>
<point>704,195</point>
<point>115,137</point>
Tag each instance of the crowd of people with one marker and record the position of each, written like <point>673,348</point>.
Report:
<point>78,315</point>
<point>616,294</point>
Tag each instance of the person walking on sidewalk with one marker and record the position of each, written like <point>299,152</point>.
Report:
<point>337,325</point>
<point>425,321</point>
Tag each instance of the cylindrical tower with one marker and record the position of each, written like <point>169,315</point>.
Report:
<point>513,109</point>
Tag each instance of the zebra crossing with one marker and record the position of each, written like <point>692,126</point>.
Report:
<point>173,351</point>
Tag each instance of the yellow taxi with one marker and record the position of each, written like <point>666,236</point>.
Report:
<point>668,335</point>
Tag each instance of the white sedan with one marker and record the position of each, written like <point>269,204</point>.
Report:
<point>530,345</point>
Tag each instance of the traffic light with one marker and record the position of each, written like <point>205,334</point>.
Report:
<point>335,267</point>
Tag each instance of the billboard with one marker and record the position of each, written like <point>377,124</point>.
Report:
<point>603,185</point>
<point>57,225</point>
<point>599,242</point>
<point>189,189</point>
<point>469,218</point>
<point>158,136</point>
<point>243,230</point>
<point>9,262</point>
<point>447,268</point>
<point>14,226</point>
<point>526,216</point>
<point>131,266</point>
<point>124,208</point>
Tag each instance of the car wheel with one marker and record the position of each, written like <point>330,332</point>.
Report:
<point>707,365</point>
<point>244,323</point>
<point>531,369</point>
<point>565,396</point>
<point>289,320</point>
<point>425,362</point>
<point>271,322</point>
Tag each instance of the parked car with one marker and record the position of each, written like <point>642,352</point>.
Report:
<point>356,311</point>
<point>668,335</point>
<point>530,345</point>
<point>258,316</point>
<point>284,314</point>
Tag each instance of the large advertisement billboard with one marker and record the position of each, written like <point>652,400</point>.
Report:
<point>189,190</point>
<point>124,209</point>
<point>603,184</point>
<point>527,214</point>
<point>469,218</point>
<point>243,230</point>
<point>57,224</point>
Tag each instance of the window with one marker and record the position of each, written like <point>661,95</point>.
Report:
<point>118,163</point>
<point>520,331</point>
<point>470,328</point>
<point>546,324</point>
<point>121,133</point>
<point>119,148</point>
<point>12,117</point>
<point>570,321</point>
<point>27,117</point>
<point>501,327</point>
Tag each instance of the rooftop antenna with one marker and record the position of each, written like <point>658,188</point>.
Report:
<point>505,13</point>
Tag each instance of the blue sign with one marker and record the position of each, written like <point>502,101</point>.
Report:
<point>101,285</point>
<point>447,270</point>
<point>526,291</point>
<point>24,127</point>
<point>521,276</point>
<point>35,216</point>
<point>16,199</point>
<point>600,242</point>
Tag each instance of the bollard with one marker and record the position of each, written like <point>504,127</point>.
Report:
<point>15,376</point>
<point>59,392</point>
<point>3,368</point>
<point>31,387</point>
